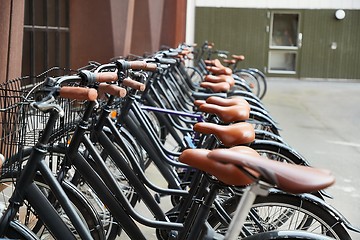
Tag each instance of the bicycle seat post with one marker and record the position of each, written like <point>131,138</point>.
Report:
<point>244,207</point>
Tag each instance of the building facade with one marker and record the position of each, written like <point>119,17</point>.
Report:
<point>36,35</point>
<point>302,39</point>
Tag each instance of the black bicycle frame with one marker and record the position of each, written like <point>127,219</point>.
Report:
<point>27,189</point>
<point>94,171</point>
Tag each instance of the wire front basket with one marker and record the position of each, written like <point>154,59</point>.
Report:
<point>12,105</point>
<point>21,125</point>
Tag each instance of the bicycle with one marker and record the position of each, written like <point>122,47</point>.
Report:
<point>255,79</point>
<point>91,167</point>
<point>25,187</point>
<point>224,164</point>
<point>142,136</point>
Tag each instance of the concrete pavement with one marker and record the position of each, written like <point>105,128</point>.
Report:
<point>321,120</point>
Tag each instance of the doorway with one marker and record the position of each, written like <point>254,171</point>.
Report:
<point>285,40</point>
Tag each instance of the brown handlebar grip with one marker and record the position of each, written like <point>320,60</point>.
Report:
<point>133,84</point>
<point>106,76</point>
<point>137,65</point>
<point>232,61</point>
<point>238,57</point>
<point>78,93</point>
<point>111,89</point>
<point>142,65</point>
<point>151,67</point>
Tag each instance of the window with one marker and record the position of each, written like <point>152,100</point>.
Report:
<point>284,30</point>
<point>46,36</point>
<point>285,43</point>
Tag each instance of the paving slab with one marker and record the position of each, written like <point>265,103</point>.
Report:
<point>321,120</point>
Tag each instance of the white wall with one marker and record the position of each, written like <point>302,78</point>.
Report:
<point>190,21</point>
<point>282,4</point>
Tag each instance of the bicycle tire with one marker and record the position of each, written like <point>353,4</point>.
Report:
<point>57,154</point>
<point>80,203</point>
<point>262,122</point>
<point>112,228</point>
<point>157,124</point>
<point>19,231</point>
<point>286,235</point>
<point>251,80</point>
<point>313,217</point>
<point>194,75</point>
<point>262,81</point>
<point>269,136</point>
<point>278,151</point>
<point>116,171</point>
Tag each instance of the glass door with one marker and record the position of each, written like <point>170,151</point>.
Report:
<point>285,43</point>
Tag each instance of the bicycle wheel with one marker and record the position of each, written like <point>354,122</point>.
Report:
<point>62,138</point>
<point>19,231</point>
<point>278,152</point>
<point>287,235</point>
<point>110,224</point>
<point>265,135</point>
<point>250,79</point>
<point>262,122</point>
<point>280,211</point>
<point>194,75</point>
<point>56,156</point>
<point>156,119</point>
<point>29,218</point>
<point>262,81</point>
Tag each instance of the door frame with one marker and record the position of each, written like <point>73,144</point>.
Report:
<point>297,49</point>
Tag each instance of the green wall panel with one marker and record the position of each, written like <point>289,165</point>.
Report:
<point>320,30</point>
<point>239,31</point>
<point>243,31</point>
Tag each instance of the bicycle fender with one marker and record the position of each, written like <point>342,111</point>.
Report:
<point>316,200</point>
<point>281,145</point>
<point>286,234</point>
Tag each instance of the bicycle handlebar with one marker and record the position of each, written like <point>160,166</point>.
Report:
<point>106,77</point>
<point>141,65</point>
<point>133,84</point>
<point>78,93</point>
<point>111,89</point>
<point>123,65</point>
<point>91,77</point>
<point>75,93</point>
